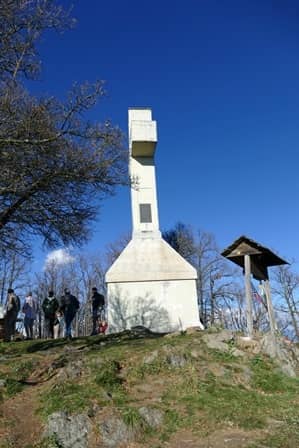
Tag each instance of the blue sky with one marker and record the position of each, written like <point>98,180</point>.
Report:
<point>222,79</point>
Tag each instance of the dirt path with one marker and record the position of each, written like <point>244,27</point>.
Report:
<point>20,426</point>
<point>232,438</point>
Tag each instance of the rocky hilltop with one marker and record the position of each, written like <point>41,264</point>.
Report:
<point>195,389</point>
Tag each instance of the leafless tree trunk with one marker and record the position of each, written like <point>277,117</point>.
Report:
<point>286,290</point>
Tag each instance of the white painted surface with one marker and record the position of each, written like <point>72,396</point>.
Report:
<point>144,192</point>
<point>149,259</point>
<point>149,284</point>
<point>159,305</point>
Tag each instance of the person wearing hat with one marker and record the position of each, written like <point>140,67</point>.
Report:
<point>69,305</point>
<point>12,310</point>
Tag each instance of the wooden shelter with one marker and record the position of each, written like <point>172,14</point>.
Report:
<point>255,260</point>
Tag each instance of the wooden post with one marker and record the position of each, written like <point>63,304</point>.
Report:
<point>273,326</point>
<point>248,291</point>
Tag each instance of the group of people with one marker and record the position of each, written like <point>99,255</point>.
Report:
<point>54,311</point>
<point>58,314</point>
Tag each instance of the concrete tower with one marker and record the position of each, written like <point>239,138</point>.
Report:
<point>149,284</point>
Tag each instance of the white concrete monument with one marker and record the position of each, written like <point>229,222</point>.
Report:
<point>149,284</point>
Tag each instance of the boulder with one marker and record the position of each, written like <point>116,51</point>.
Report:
<point>115,433</point>
<point>219,340</point>
<point>176,360</point>
<point>276,348</point>
<point>151,357</point>
<point>70,431</point>
<point>153,417</point>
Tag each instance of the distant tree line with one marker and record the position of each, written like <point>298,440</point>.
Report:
<point>220,286</point>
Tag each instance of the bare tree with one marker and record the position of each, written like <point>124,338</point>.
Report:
<point>215,278</point>
<point>115,248</point>
<point>56,166</point>
<point>22,22</point>
<point>181,239</point>
<point>14,271</point>
<point>286,292</point>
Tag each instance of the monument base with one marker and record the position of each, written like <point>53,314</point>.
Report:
<point>150,284</point>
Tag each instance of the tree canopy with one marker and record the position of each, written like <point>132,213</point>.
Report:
<point>56,166</point>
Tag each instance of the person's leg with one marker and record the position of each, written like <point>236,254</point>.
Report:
<point>68,326</point>
<point>31,323</point>
<point>94,322</point>
<point>27,327</point>
<point>13,325</point>
<point>47,328</point>
<point>8,327</point>
<point>51,326</point>
<point>56,330</point>
<point>61,328</point>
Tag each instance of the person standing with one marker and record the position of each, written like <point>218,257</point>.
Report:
<point>98,308</point>
<point>50,305</point>
<point>12,310</point>
<point>30,311</point>
<point>69,305</point>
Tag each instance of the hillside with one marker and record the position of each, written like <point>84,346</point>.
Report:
<point>138,389</point>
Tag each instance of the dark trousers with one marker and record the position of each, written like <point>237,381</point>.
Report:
<point>9,325</point>
<point>68,319</point>
<point>94,322</point>
<point>28,324</point>
<point>49,326</point>
<point>97,314</point>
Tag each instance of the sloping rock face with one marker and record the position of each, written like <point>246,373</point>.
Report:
<point>153,417</point>
<point>70,431</point>
<point>115,433</point>
<point>284,353</point>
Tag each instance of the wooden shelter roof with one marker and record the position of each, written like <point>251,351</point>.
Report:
<point>261,257</point>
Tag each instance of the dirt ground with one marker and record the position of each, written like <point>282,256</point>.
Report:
<point>20,425</point>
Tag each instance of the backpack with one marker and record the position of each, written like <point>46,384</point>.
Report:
<point>50,307</point>
<point>69,304</point>
<point>14,305</point>
<point>17,304</point>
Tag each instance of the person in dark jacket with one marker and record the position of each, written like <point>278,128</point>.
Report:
<point>97,309</point>
<point>69,305</point>
<point>50,305</point>
<point>12,310</point>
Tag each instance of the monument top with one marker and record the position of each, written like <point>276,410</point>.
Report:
<point>140,113</point>
<point>142,133</point>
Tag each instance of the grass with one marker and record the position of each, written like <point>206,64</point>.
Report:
<point>286,436</point>
<point>15,375</point>
<point>268,379</point>
<point>156,367</point>
<point>132,418</point>
<point>101,384</point>
<point>108,375</point>
<point>70,397</point>
<point>206,393</point>
<point>218,404</point>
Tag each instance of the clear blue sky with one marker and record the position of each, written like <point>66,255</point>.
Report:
<point>222,79</point>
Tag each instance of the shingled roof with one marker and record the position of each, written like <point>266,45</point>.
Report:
<point>261,257</point>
